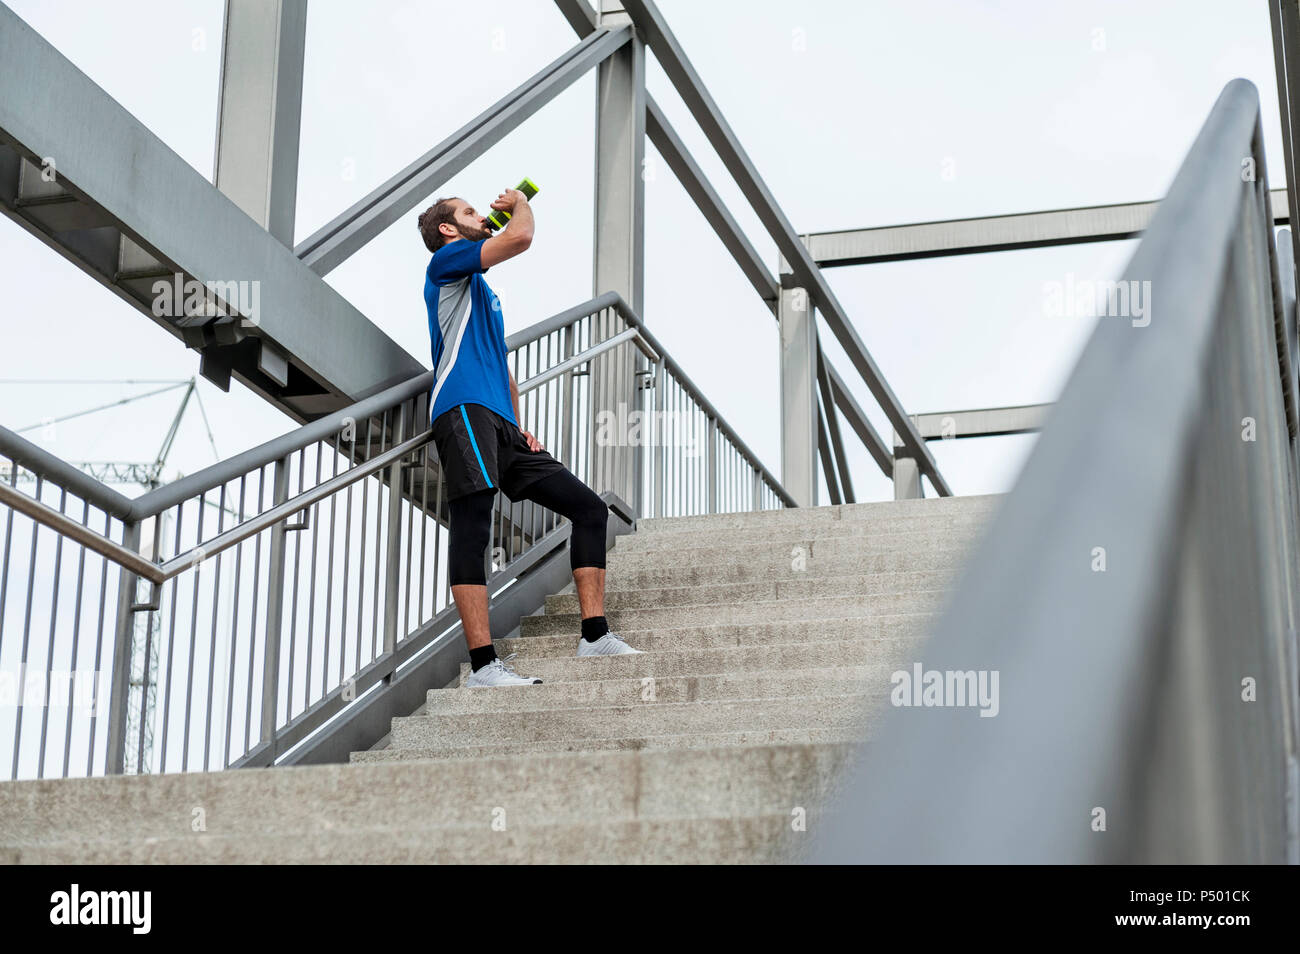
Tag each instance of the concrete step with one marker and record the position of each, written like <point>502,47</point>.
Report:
<point>307,800</point>
<point>876,510</point>
<point>640,719</point>
<point>778,562</point>
<point>903,628</point>
<point>722,840</point>
<point>631,691</point>
<point>850,736</point>
<point>923,505</point>
<point>770,640</point>
<point>628,621</point>
<point>940,527</point>
<point>794,586</point>
<point>847,549</point>
<point>701,662</point>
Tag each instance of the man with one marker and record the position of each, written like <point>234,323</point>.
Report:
<point>474,408</point>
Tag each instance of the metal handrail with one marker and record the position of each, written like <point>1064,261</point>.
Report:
<point>611,299</point>
<point>157,573</point>
<point>751,458</point>
<point>156,501</point>
<point>41,462</point>
<point>609,344</point>
<point>1136,584</point>
<point>65,526</point>
<point>324,614</point>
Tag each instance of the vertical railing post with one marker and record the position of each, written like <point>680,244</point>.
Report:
<point>711,465</point>
<point>566,400</point>
<point>640,379</point>
<point>393,574</point>
<point>274,610</point>
<point>758,490</point>
<point>122,656</point>
<point>659,469</point>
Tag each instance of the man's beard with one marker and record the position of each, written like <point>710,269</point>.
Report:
<point>473,235</point>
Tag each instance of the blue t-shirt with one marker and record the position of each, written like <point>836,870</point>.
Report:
<point>467,332</point>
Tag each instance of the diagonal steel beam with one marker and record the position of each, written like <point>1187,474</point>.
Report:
<point>724,224</point>
<point>715,212</point>
<point>580,16</point>
<point>352,229</point>
<point>861,425</point>
<point>833,426</point>
<point>828,459</point>
<point>651,23</point>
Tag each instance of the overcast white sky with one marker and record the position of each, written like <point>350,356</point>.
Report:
<point>851,130</point>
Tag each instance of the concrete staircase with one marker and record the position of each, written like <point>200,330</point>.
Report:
<point>770,640</point>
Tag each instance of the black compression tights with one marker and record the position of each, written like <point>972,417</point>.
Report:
<point>471,524</point>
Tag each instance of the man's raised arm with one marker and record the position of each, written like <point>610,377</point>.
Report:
<point>518,233</point>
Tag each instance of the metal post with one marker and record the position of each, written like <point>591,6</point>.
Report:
<point>274,609</point>
<point>392,577</point>
<point>798,326</point>
<point>566,400</point>
<point>711,464</point>
<point>639,387</point>
<point>907,474</point>
<point>660,465</point>
<point>259,110</point>
<point>620,154</point>
<point>619,228</point>
<point>123,654</point>
<point>907,479</point>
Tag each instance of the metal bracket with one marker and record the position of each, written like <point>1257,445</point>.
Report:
<point>154,603</point>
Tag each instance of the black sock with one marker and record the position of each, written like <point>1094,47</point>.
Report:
<point>480,657</point>
<point>593,628</point>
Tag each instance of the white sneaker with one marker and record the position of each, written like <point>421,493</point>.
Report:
<point>499,673</point>
<point>611,644</point>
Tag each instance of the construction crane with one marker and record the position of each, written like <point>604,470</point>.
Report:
<point>142,698</point>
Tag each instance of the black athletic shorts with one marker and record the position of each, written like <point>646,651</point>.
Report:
<point>480,450</point>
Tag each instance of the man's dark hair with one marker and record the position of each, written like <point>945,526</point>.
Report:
<point>432,217</point>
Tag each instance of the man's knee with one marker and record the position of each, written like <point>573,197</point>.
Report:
<point>591,512</point>
<point>470,528</point>
<point>587,543</point>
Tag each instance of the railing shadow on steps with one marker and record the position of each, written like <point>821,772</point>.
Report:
<point>282,606</point>
<point>1135,592</point>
